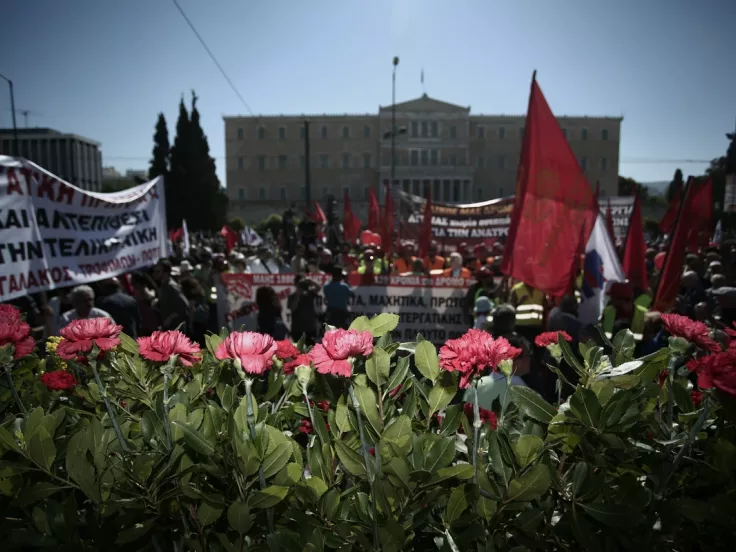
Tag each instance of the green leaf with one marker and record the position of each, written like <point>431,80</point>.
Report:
<point>268,497</point>
<point>399,433</point>
<point>532,404</point>
<point>527,448</point>
<point>458,471</point>
<point>441,395</point>
<point>352,460</point>
<point>178,413</point>
<point>341,415</point>
<point>398,376</point>
<point>570,357</point>
<point>579,478</point>
<point>213,342</point>
<point>228,398</point>
<point>426,360</point>
<point>486,507</point>
<point>613,515</point>
<point>207,515</point>
<point>584,404</point>
<point>33,421</point>
<point>384,323</point>
<point>41,448</point>
<point>623,346</point>
<point>80,470</point>
<point>451,419</point>
<point>378,366</point>
<point>318,485</point>
<point>369,406</point>
<point>362,324</point>
<point>128,344</point>
<point>274,462</point>
<point>456,505</point>
<point>440,454</point>
<point>36,492</point>
<point>238,516</point>
<point>195,439</point>
<point>319,425</point>
<point>531,485</point>
<point>330,502</point>
<point>8,440</point>
<point>289,475</point>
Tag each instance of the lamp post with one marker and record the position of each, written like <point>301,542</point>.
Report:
<point>16,148</point>
<point>393,123</point>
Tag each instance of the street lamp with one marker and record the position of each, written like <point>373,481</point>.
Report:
<point>12,110</point>
<point>393,122</point>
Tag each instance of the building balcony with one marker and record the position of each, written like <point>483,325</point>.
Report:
<point>429,171</point>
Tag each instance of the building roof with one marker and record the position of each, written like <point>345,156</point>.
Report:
<point>427,104</point>
<point>43,132</point>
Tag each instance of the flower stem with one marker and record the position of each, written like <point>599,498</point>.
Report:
<point>113,420</point>
<point>476,431</point>
<point>368,465</point>
<point>9,375</point>
<point>252,425</point>
<point>309,409</point>
<point>167,376</point>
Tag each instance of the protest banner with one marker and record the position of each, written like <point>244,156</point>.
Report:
<point>431,306</point>
<point>53,234</point>
<point>485,222</point>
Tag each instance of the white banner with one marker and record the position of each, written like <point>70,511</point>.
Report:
<point>430,306</point>
<point>53,234</point>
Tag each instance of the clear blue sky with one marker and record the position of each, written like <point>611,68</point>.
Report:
<point>105,68</point>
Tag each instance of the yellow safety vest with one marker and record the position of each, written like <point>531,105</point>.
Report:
<point>530,311</point>
<point>377,265</point>
<point>637,321</point>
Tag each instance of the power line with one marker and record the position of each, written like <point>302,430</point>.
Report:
<point>212,56</point>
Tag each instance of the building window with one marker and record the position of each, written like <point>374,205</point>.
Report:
<point>425,157</point>
<point>415,187</point>
<point>240,162</point>
<point>481,163</point>
<point>480,131</point>
<point>261,162</point>
<point>453,131</point>
<point>241,134</point>
<point>345,160</point>
<point>262,193</point>
<point>435,129</point>
<point>433,157</point>
<point>453,160</point>
<point>282,133</point>
<point>584,163</point>
<point>324,161</point>
<point>283,194</point>
<point>282,161</point>
<point>604,134</point>
<point>501,133</point>
<point>302,162</point>
<point>414,155</point>
<point>324,131</point>
<point>261,133</point>
<point>366,131</point>
<point>366,160</point>
<point>584,134</point>
<point>346,132</point>
<point>241,193</point>
<point>414,129</point>
<point>436,190</point>
<point>604,164</point>
<point>456,191</point>
<point>302,132</point>
<point>501,162</point>
<point>425,129</point>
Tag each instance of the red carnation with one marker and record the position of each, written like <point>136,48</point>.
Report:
<point>285,350</point>
<point>551,338</point>
<point>691,330</point>
<point>486,416</point>
<point>58,380</point>
<point>473,353</point>
<point>717,371</point>
<point>17,334</point>
<point>255,351</point>
<point>337,347</point>
<point>9,313</point>
<point>81,335</point>
<point>299,360</point>
<point>697,397</point>
<point>161,345</point>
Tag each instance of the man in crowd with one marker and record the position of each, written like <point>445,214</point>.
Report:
<point>175,310</point>
<point>121,306</point>
<point>83,306</point>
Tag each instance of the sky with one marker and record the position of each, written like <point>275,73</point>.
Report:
<point>104,69</point>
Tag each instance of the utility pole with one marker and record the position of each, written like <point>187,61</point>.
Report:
<point>307,179</point>
<point>393,123</point>
<point>16,147</point>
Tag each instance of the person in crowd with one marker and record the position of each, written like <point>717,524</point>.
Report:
<point>326,261</point>
<point>433,261</point>
<point>83,306</point>
<point>530,305</point>
<point>456,270</point>
<point>417,268</point>
<point>185,269</point>
<point>303,306</point>
<point>313,266</point>
<point>199,306</point>
<point>264,262</point>
<point>369,264</point>
<point>564,318</point>
<point>504,325</point>
<point>174,307</point>
<point>270,321</point>
<point>691,292</point>
<point>144,293</point>
<point>405,263</point>
<point>298,261</point>
<point>338,295</point>
<point>121,306</point>
<point>484,286</point>
<point>481,258</point>
<point>239,264</point>
<point>482,310</point>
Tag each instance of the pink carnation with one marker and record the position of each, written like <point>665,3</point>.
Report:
<point>550,338</point>
<point>161,345</point>
<point>473,353</point>
<point>285,350</point>
<point>81,335</point>
<point>299,360</point>
<point>17,333</point>
<point>9,313</point>
<point>255,351</point>
<point>331,356</point>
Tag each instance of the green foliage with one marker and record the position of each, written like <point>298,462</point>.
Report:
<point>237,224</point>
<point>606,470</point>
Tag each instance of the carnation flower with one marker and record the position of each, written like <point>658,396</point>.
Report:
<point>299,360</point>
<point>337,347</point>
<point>696,397</point>
<point>9,313</point>
<point>717,371</point>
<point>17,334</point>
<point>486,416</point>
<point>254,351</point>
<point>58,380</point>
<point>81,335</point>
<point>161,345</point>
<point>551,338</point>
<point>691,330</point>
<point>285,350</point>
<point>473,353</point>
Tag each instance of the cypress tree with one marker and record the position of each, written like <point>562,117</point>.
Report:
<point>177,184</point>
<point>160,160</point>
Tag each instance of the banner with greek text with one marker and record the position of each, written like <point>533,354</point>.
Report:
<point>432,307</point>
<point>53,234</point>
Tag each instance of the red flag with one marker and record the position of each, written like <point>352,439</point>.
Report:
<point>700,216</point>
<point>350,223</point>
<point>230,235</point>
<point>669,281</point>
<point>176,234</point>
<point>555,208</point>
<point>374,211</point>
<point>634,261</point>
<point>668,220</point>
<point>425,236</point>
<point>387,230</point>
<point>318,215</point>
<point>609,223</point>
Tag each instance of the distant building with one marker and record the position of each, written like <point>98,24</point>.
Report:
<point>110,173</point>
<point>462,158</point>
<point>71,157</point>
<point>134,174</point>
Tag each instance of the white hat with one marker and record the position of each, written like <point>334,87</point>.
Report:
<point>185,266</point>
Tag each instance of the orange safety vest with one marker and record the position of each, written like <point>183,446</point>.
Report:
<point>436,263</point>
<point>402,266</point>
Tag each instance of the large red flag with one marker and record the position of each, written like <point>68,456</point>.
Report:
<point>634,261</point>
<point>668,220</point>
<point>374,211</point>
<point>700,216</point>
<point>231,237</point>
<point>555,208</point>
<point>609,223</point>
<point>669,281</point>
<point>425,235</point>
<point>318,215</point>
<point>387,222</point>
<point>350,223</point>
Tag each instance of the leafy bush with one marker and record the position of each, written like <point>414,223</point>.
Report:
<point>157,455</point>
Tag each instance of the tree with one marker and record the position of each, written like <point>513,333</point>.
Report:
<point>626,187</point>
<point>161,149</point>
<point>676,185</point>
<point>237,224</point>
<point>117,185</point>
<point>177,184</point>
